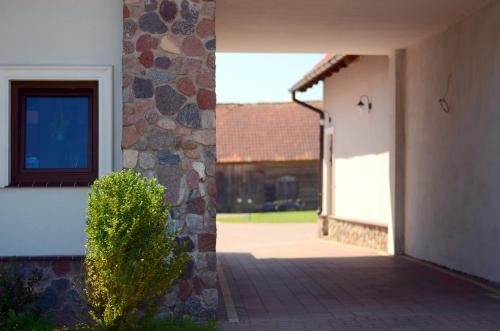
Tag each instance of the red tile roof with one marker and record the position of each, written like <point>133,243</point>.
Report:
<point>266,132</point>
<point>327,58</point>
<point>329,65</point>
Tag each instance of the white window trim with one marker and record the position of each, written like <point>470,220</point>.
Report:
<point>102,74</point>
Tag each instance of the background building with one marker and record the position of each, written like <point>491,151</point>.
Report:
<point>267,157</point>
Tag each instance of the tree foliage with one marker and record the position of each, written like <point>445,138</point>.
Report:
<point>131,257</point>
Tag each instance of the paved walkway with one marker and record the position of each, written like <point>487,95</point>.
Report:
<point>282,278</point>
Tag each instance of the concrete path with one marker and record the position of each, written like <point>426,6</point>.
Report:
<point>281,278</point>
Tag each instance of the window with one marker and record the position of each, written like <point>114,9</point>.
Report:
<point>54,133</point>
<point>286,188</point>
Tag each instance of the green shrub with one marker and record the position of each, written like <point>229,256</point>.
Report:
<point>17,294</point>
<point>171,324</point>
<point>179,324</point>
<point>26,322</point>
<point>132,259</point>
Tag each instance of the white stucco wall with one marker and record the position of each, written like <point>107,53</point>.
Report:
<point>363,142</point>
<point>453,160</point>
<point>50,221</point>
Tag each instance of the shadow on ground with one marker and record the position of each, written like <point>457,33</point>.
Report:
<point>352,293</point>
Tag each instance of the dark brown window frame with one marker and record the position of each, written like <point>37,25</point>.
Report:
<point>20,176</point>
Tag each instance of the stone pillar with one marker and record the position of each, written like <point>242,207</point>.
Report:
<point>169,128</point>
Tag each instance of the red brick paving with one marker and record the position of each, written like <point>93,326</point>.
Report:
<point>349,292</point>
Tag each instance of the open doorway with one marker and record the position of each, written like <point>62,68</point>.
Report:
<point>295,138</point>
<point>274,272</point>
<point>303,167</point>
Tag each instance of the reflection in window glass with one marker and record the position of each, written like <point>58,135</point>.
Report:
<point>57,132</point>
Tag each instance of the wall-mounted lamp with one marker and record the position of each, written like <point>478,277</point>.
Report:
<point>364,105</point>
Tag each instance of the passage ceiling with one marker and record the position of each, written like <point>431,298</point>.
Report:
<point>323,26</point>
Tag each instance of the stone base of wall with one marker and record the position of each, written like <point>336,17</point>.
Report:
<point>359,234</point>
<point>60,288</point>
<point>63,278</point>
<point>322,226</point>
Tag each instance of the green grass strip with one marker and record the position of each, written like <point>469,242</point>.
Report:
<point>302,216</point>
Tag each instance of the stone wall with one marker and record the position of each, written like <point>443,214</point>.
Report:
<point>169,127</point>
<point>359,234</point>
<point>322,224</point>
<point>60,287</point>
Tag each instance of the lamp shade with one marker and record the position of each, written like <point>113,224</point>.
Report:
<point>362,106</point>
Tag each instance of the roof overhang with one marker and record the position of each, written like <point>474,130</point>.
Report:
<point>326,69</point>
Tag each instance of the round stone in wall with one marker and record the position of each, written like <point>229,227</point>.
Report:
<point>146,59</point>
<point>169,44</point>
<point>186,87</point>
<point>168,158</point>
<point>168,10</point>
<point>183,27</point>
<point>189,12</point>
<point>161,77</point>
<point>206,28</point>
<point>193,306</point>
<point>147,160</point>
<point>210,297</point>
<point>162,62</point>
<point>189,116</point>
<point>152,23</point>
<point>210,45</point>
<point>143,88</point>
<point>206,99</point>
<point>168,101</point>
<point>167,124</point>
<point>192,46</point>
<point>159,139</point>
<point>170,177</point>
<point>130,158</point>
<point>129,28</point>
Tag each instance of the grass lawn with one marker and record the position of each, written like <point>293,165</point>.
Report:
<point>302,216</point>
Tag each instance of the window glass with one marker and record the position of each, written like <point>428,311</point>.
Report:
<point>286,188</point>
<point>57,130</point>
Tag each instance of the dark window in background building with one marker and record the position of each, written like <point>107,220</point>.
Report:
<point>286,188</point>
